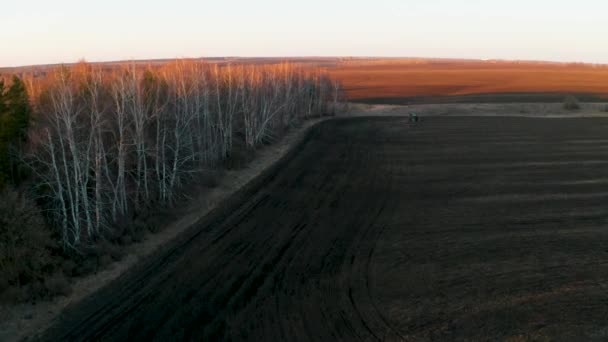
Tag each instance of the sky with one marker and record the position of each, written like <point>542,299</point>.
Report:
<point>65,31</point>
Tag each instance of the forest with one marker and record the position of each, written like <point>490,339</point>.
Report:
<point>89,152</point>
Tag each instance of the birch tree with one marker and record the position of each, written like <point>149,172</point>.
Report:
<point>110,143</point>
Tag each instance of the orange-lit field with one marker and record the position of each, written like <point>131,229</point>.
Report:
<point>394,81</point>
<point>410,80</point>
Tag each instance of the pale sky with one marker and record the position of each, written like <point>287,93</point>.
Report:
<point>64,31</point>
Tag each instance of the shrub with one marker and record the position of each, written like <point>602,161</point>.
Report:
<point>210,178</point>
<point>25,242</point>
<point>12,294</point>
<point>571,103</point>
<point>240,156</point>
<point>68,266</point>
<point>57,285</point>
<point>86,266</point>
<point>104,261</point>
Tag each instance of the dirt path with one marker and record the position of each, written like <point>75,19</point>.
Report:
<point>453,229</point>
<point>518,109</point>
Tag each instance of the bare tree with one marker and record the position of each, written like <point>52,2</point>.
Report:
<point>113,142</point>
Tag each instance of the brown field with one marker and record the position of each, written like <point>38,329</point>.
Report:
<point>414,80</point>
<point>408,80</point>
<point>373,229</point>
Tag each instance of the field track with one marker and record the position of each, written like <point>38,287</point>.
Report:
<point>457,228</point>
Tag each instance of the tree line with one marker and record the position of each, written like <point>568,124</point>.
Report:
<point>108,144</point>
<point>86,148</point>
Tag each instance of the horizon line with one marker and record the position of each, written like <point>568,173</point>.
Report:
<point>358,57</point>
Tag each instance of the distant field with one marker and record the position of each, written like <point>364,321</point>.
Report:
<point>406,81</point>
<point>415,80</point>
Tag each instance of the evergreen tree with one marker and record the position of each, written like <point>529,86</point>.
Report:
<point>15,114</point>
<point>18,108</point>
<point>2,104</point>
<point>4,164</point>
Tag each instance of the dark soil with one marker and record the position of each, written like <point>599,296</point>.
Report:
<point>451,229</point>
